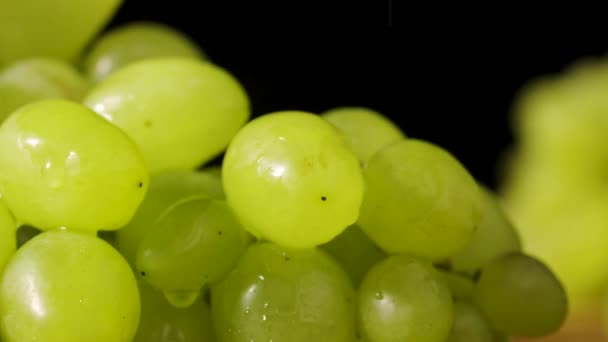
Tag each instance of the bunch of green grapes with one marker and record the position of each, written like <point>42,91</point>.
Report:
<point>327,227</point>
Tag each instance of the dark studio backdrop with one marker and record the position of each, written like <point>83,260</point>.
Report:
<point>447,75</point>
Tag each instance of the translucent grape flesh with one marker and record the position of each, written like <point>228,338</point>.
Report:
<point>162,322</point>
<point>470,325</point>
<point>495,236</point>
<point>193,244</point>
<point>165,189</point>
<point>367,131</point>
<point>284,295</point>
<point>292,180</point>
<point>61,165</point>
<point>134,42</point>
<point>404,299</point>
<point>33,79</point>
<point>419,200</point>
<point>63,286</point>
<point>153,99</point>
<point>355,252</point>
<point>521,296</point>
<point>58,28</point>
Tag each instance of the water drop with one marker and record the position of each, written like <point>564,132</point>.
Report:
<point>379,296</point>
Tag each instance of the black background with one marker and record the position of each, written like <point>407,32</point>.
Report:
<point>444,74</point>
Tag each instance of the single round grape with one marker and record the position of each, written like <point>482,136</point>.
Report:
<point>133,42</point>
<point>420,200</point>
<point>292,180</point>
<point>194,243</point>
<point>181,112</point>
<point>52,28</point>
<point>61,165</point>
<point>368,131</point>
<point>355,252</point>
<point>33,79</point>
<point>8,241</point>
<point>65,286</point>
<point>470,325</point>
<point>495,236</point>
<point>521,296</point>
<point>404,299</point>
<point>276,294</point>
<point>165,189</point>
<point>162,322</point>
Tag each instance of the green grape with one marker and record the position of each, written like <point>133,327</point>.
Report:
<point>8,243</point>
<point>461,286</point>
<point>35,79</point>
<point>194,243</point>
<point>165,190</point>
<point>61,165</point>
<point>495,236</point>
<point>50,28</point>
<point>162,322</point>
<point>153,99</point>
<point>521,296</point>
<point>368,131</point>
<point>134,42</point>
<point>470,325</point>
<point>65,286</point>
<point>25,234</point>
<point>292,180</point>
<point>355,252</point>
<point>419,199</point>
<point>404,299</point>
<point>276,294</point>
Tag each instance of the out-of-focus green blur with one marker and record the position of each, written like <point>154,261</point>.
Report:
<point>555,183</point>
<point>50,28</point>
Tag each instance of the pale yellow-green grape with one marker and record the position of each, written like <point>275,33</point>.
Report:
<point>35,79</point>
<point>404,299</point>
<point>292,179</point>
<point>419,199</point>
<point>191,245</point>
<point>65,286</point>
<point>521,296</point>
<point>470,325</point>
<point>165,189</point>
<point>133,42</point>
<point>8,242</point>
<point>355,252</point>
<point>162,322</point>
<point>181,112</point>
<point>461,286</point>
<point>495,236</point>
<point>61,165</point>
<point>367,130</point>
<point>50,28</point>
<point>277,294</point>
